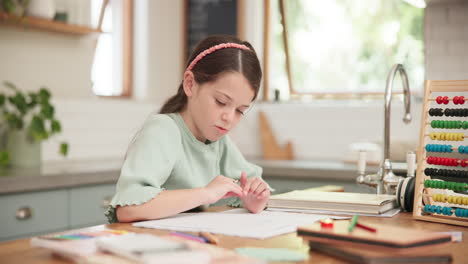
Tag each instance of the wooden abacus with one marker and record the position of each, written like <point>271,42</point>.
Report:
<point>437,199</point>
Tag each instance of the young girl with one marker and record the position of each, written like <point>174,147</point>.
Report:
<point>181,158</point>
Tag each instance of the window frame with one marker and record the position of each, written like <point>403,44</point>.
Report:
<point>297,95</point>
<point>127,49</point>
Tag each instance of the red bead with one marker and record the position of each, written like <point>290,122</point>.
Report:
<point>446,100</point>
<point>461,100</point>
<point>455,100</point>
<point>439,99</point>
<point>429,160</point>
<point>463,162</point>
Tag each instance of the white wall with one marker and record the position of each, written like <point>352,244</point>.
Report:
<point>102,128</point>
<point>446,40</point>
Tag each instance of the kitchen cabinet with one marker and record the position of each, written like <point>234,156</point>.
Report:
<point>27,213</point>
<point>40,212</point>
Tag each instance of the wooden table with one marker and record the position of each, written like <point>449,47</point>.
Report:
<point>19,251</point>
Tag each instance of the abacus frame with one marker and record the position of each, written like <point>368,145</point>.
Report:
<point>431,86</point>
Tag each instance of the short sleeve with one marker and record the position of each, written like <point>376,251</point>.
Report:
<point>148,164</point>
<point>233,163</point>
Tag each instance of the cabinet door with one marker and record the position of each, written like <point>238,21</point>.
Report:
<point>34,212</point>
<point>88,204</point>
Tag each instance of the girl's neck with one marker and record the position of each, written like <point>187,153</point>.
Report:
<point>189,122</point>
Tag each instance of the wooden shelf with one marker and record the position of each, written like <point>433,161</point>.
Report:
<point>29,22</point>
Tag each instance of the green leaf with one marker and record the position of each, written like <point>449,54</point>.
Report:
<point>4,158</point>
<point>55,126</point>
<point>43,96</point>
<point>10,85</point>
<point>64,149</point>
<point>47,111</point>
<point>2,99</point>
<point>32,100</point>
<point>19,101</point>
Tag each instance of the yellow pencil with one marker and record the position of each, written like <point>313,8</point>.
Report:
<point>210,237</point>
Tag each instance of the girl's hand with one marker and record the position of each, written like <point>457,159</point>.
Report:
<point>221,187</point>
<point>255,193</point>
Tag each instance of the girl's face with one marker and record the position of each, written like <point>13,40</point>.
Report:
<point>215,108</point>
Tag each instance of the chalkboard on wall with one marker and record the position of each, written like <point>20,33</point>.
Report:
<point>208,17</point>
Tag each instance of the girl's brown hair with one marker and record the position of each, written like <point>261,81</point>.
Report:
<point>210,67</point>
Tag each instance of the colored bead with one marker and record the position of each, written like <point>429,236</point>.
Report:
<point>427,184</point>
<point>427,208</point>
<point>439,99</point>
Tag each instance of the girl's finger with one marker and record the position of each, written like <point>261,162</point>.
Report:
<point>247,185</point>
<point>243,179</point>
<point>263,194</point>
<point>260,188</point>
<point>254,185</point>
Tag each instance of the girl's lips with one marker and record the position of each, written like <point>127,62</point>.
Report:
<point>221,130</point>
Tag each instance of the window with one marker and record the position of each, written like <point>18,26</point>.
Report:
<point>111,72</point>
<point>344,47</point>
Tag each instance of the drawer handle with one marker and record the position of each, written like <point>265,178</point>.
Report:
<point>106,201</point>
<point>23,213</point>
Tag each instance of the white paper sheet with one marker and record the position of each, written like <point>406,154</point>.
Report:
<point>237,222</point>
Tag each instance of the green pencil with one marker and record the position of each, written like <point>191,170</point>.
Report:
<point>352,225</point>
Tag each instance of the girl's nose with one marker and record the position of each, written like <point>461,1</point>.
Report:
<point>226,116</point>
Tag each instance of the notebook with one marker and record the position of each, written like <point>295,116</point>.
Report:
<point>362,255</point>
<point>386,237</point>
<point>334,201</point>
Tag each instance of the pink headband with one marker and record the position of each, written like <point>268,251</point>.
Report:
<point>215,48</point>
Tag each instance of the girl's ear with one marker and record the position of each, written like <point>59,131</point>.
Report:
<point>189,83</point>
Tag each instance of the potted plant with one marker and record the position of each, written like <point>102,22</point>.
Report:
<point>14,7</point>
<point>27,119</point>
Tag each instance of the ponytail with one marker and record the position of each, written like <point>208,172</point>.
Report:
<point>176,103</point>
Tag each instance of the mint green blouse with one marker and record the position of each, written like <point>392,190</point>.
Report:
<point>166,155</point>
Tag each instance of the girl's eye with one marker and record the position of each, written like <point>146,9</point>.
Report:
<point>220,103</point>
<point>240,112</point>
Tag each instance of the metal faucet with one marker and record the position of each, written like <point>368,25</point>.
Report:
<point>385,181</point>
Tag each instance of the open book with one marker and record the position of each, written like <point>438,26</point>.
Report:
<point>334,201</point>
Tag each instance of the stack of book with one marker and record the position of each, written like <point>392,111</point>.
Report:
<point>333,201</point>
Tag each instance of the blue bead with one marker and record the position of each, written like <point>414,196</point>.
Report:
<point>427,208</point>
<point>449,210</point>
<point>449,148</point>
<point>457,212</point>
<point>433,208</point>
